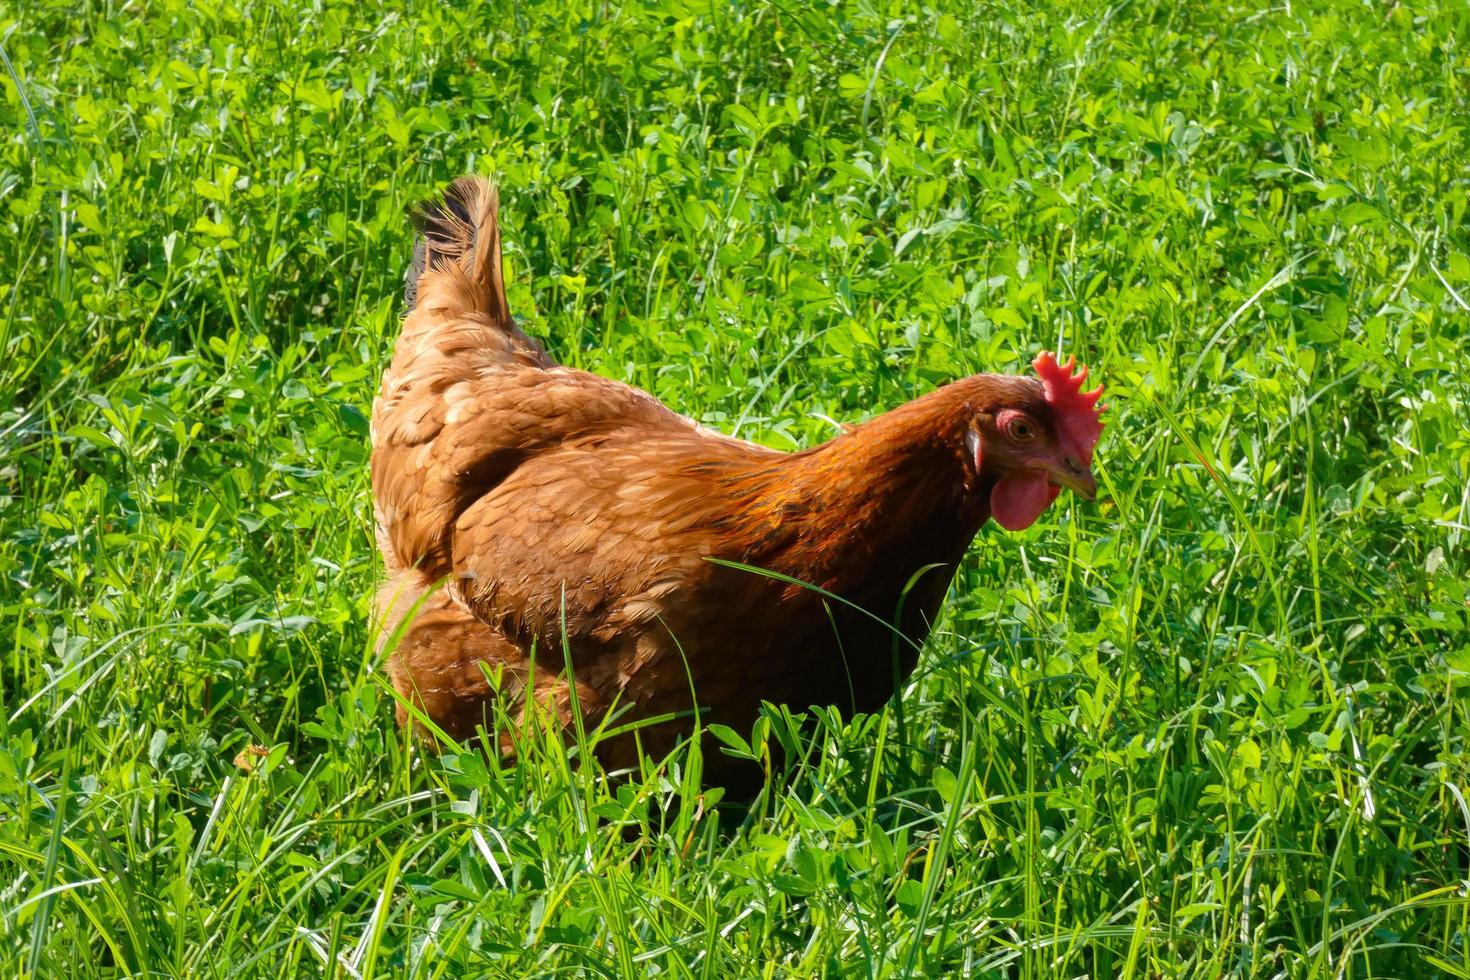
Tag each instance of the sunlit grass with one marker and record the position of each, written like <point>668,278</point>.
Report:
<point>1212,724</point>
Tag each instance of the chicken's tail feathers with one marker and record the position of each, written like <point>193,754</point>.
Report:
<point>455,290</point>
<point>456,258</point>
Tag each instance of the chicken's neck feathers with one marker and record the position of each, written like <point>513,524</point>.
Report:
<point>880,501</point>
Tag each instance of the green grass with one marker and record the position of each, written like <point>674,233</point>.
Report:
<point>1213,724</point>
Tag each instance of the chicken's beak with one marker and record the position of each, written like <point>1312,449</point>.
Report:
<point>1078,479</point>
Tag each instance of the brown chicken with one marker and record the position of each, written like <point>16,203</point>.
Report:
<point>567,514</point>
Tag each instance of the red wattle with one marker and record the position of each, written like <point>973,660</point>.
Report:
<point>1018,499</point>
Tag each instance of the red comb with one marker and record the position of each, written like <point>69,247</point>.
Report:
<point>1077,411</point>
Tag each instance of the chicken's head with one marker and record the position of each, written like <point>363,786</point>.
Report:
<point>1039,440</point>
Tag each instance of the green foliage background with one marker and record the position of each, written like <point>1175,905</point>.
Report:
<point>1214,724</point>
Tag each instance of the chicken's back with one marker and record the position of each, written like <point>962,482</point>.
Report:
<point>457,330</point>
<point>469,398</point>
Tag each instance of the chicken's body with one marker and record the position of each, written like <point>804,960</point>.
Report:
<point>568,512</point>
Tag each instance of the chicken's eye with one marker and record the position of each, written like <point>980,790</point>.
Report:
<point>1018,428</point>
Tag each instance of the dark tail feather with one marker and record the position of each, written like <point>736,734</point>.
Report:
<point>461,229</point>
